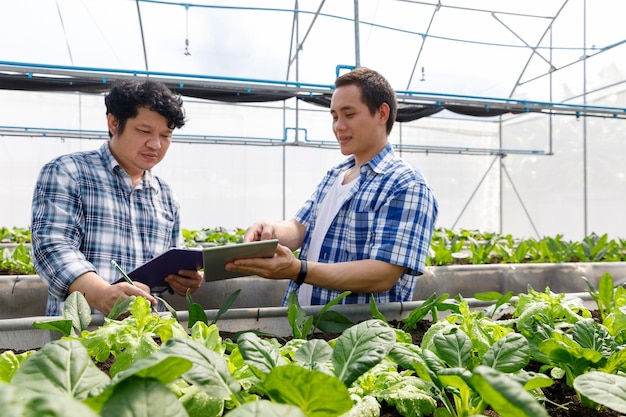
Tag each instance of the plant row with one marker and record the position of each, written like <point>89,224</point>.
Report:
<point>447,247</point>
<point>468,361</point>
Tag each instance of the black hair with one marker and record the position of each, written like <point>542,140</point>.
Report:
<point>375,90</point>
<point>125,99</point>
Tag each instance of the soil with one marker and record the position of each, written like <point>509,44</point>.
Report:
<point>563,401</point>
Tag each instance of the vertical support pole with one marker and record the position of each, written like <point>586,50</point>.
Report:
<point>143,38</point>
<point>501,186</point>
<point>357,36</point>
<point>585,179</point>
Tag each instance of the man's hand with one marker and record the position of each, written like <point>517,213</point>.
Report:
<point>185,280</point>
<point>283,265</point>
<point>102,296</point>
<point>259,231</point>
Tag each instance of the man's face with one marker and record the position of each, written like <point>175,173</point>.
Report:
<point>358,132</point>
<point>143,143</point>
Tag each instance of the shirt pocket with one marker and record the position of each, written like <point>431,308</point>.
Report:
<point>362,233</point>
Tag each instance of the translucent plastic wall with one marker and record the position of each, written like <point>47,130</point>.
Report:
<point>578,190</point>
<point>573,187</point>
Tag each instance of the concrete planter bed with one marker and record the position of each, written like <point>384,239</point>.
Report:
<point>22,298</point>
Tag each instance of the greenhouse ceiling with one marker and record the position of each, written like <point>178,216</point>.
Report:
<point>480,57</point>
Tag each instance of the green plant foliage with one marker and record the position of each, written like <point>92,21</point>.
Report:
<point>467,361</point>
<point>17,261</point>
<point>448,247</point>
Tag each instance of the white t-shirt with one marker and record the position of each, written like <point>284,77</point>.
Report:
<point>327,211</point>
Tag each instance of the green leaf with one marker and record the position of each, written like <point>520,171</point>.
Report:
<point>200,404</point>
<point>488,296</point>
<point>615,362</point>
<point>454,347</point>
<point>163,366</point>
<point>591,335</point>
<point>509,354</point>
<point>606,291</point>
<point>316,393</point>
<point>20,403</point>
<point>375,312</point>
<point>297,317</point>
<point>333,322</point>
<point>432,302</point>
<point>64,326</point>
<point>10,363</point>
<point>405,354</point>
<point>606,389</point>
<point>142,397</point>
<point>196,314</point>
<point>507,397</point>
<point>259,353</point>
<point>367,406</point>
<point>77,309</point>
<point>314,352</point>
<point>227,305</point>
<point>61,367</point>
<point>167,305</point>
<point>458,379</point>
<point>361,347</point>
<point>121,306</point>
<point>209,370</point>
<point>264,408</point>
<point>209,336</point>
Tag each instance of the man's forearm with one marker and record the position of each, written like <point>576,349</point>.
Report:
<point>364,276</point>
<point>92,286</point>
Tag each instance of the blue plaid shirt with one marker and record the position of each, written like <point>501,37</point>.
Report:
<point>86,214</point>
<point>389,215</point>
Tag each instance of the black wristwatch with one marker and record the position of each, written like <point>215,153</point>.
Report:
<point>302,273</point>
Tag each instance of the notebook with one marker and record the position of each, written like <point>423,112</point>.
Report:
<point>153,272</point>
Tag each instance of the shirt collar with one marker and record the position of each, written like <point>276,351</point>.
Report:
<point>379,163</point>
<point>382,160</point>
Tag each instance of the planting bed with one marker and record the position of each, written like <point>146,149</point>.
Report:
<point>364,342</point>
<point>566,402</point>
<point>255,309</point>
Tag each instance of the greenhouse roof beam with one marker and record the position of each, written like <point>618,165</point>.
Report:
<point>17,131</point>
<point>412,104</point>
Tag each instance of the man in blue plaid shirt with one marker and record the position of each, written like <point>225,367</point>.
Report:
<point>90,208</point>
<point>368,225</point>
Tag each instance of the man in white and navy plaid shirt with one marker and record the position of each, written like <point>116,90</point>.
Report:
<point>367,227</point>
<point>93,207</point>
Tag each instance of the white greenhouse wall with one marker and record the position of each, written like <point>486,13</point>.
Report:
<point>234,185</point>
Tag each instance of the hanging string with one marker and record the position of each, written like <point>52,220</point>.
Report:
<point>67,42</point>
<point>187,53</point>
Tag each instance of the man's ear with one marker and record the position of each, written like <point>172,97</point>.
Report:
<point>113,124</point>
<point>383,113</point>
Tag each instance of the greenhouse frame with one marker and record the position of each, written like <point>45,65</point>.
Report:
<point>513,112</point>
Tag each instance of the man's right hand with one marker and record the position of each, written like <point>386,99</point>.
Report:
<point>259,231</point>
<point>102,296</point>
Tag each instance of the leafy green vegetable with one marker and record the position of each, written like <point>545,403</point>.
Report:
<point>606,389</point>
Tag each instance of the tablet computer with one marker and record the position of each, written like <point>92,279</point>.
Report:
<point>217,256</point>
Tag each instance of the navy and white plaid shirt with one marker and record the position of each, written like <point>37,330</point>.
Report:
<point>86,214</point>
<point>389,216</point>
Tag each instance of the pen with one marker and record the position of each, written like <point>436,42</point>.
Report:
<point>126,277</point>
<point>130,281</point>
